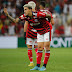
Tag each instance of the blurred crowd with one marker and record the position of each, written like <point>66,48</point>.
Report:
<point>60,9</point>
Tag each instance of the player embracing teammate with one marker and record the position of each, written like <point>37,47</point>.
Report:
<point>37,21</point>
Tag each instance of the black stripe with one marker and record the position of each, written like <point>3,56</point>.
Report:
<point>49,36</point>
<point>31,36</point>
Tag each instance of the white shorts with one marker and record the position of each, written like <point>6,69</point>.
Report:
<point>31,41</point>
<point>44,37</point>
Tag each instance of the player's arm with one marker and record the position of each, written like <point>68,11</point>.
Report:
<point>25,29</point>
<point>52,21</point>
<point>41,14</point>
<point>11,18</point>
<point>48,15</point>
<point>25,26</point>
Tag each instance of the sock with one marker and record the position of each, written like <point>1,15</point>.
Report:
<point>44,65</point>
<point>38,65</point>
<point>46,58</point>
<point>30,55</point>
<point>36,49</point>
<point>39,56</point>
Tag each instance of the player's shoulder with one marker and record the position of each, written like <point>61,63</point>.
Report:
<point>23,15</point>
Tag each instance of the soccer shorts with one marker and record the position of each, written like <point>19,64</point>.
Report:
<point>31,41</point>
<point>44,37</point>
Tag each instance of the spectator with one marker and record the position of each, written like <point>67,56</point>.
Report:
<point>47,3</point>
<point>3,17</point>
<point>57,8</point>
<point>20,26</point>
<point>1,25</point>
<point>4,30</point>
<point>16,30</point>
<point>11,29</point>
<point>61,9</point>
<point>68,28</point>
<point>59,31</point>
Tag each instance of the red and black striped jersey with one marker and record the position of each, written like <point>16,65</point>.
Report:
<point>38,22</point>
<point>47,12</point>
<point>31,33</point>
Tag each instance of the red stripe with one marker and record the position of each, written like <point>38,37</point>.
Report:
<point>23,15</point>
<point>50,35</point>
<point>29,35</point>
<point>32,33</point>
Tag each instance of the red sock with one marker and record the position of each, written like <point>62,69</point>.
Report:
<point>36,49</point>
<point>39,56</point>
<point>46,58</point>
<point>30,54</point>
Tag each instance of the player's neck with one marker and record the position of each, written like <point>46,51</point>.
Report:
<point>42,8</point>
<point>33,10</point>
<point>30,15</point>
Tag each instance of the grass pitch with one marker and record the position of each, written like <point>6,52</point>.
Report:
<point>16,60</point>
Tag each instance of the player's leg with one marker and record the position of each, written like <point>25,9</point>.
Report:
<point>29,43</point>
<point>40,40</point>
<point>35,45</point>
<point>47,39</point>
<point>44,52</point>
<point>39,53</point>
<point>47,55</point>
<point>50,40</point>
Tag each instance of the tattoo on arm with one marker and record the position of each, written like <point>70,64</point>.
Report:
<point>11,18</point>
<point>14,20</point>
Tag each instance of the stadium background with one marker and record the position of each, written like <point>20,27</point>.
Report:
<point>62,13</point>
<point>11,36</point>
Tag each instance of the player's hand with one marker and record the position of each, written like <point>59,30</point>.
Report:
<point>5,11</point>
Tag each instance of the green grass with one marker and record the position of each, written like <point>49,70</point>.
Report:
<point>16,60</point>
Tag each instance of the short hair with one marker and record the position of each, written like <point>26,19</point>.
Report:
<point>27,5</point>
<point>42,3</point>
<point>32,3</point>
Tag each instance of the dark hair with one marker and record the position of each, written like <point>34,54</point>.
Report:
<point>29,8</point>
<point>42,3</point>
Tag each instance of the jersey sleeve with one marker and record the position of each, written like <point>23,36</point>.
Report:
<point>22,17</point>
<point>51,16</point>
<point>41,14</point>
